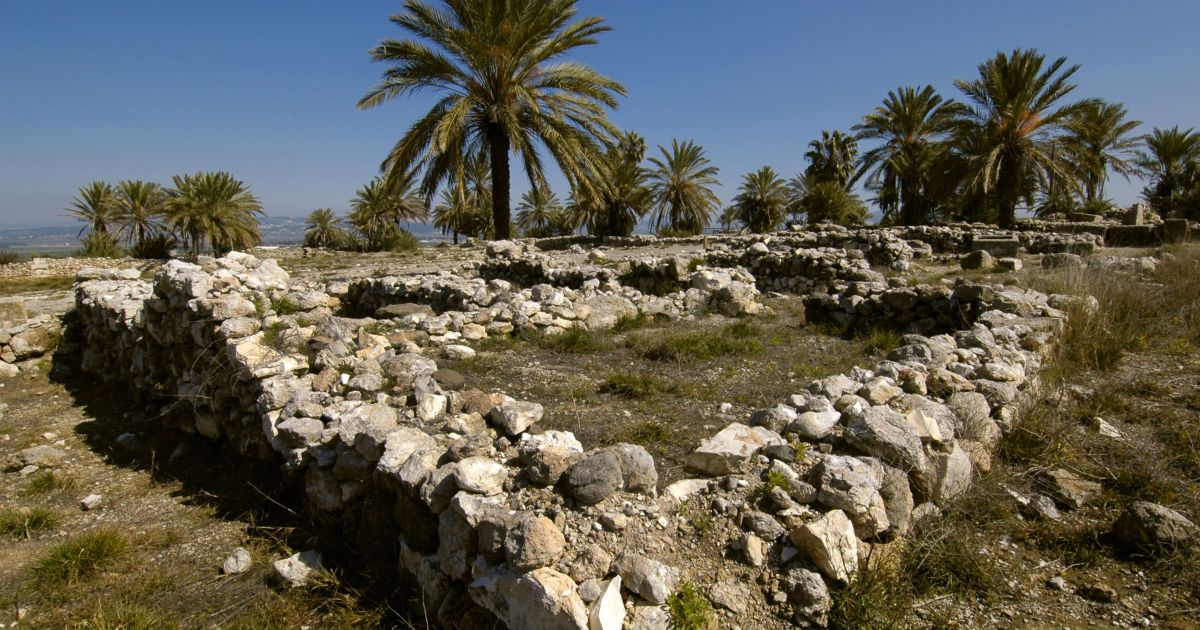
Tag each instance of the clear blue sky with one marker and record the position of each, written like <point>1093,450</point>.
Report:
<point>266,89</point>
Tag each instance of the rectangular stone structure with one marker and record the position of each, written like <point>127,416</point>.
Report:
<point>999,247</point>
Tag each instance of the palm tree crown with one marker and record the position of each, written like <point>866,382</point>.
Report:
<point>1012,132</point>
<point>1100,139</point>
<point>495,62</point>
<point>216,207</point>
<point>910,126</point>
<point>140,206</point>
<point>323,228</point>
<point>681,187</point>
<point>95,205</point>
<point>538,211</point>
<point>1171,159</point>
<point>762,200</point>
<point>620,197</point>
<point>832,158</point>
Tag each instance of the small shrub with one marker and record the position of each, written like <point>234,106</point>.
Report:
<point>576,340</point>
<point>284,306</point>
<point>634,385</point>
<point>626,323</point>
<point>774,479</point>
<point>876,598</point>
<point>689,609</point>
<point>21,523</point>
<point>100,245</point>
<point>273,336</point>
<point>881,340</point>
<point>695,264</point>
<point>154,248</point>
<point>49,481</point>
<point>946,561</point>
<point>80,558</point>
<point>9,257</point>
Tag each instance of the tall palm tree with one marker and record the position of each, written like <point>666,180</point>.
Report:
<point>323,228</point>
<point>140,207</point>
<point>680,184</point>
<point>538,210</point>
<point>762,200</point>
<point>619,198</point>
<point>95,205</point>
<point>504,89</point>
<point>1170,159</point>
<point>1014,128</point>
<point>214,207</point>
<point>832,158</point>
<point>1100,139</point>
<point>910,127</point>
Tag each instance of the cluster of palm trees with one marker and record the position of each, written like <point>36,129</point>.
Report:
<point>1015,141</point>
<point>375,222</point>
<point>204,209</point>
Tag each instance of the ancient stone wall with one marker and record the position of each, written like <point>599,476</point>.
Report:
<point>463,492</point>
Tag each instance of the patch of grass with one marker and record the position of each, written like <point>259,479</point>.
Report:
<point>576,340</point>
<point>876,598</point>
<point>880,340</point>
<point>626,323</point>
<point>21,523</point>
<point>273,335</point>
<point>947,561</point>
<point>80,557</point>
<point>284,306</point>
<point>695,264</point>
<point>48,481</point>
<point>8,257</point>
<point>645,433</point>
<point>125,615</point>
<point>689,609</point>
<point>736,339</point>
<point>13,286</point>
<point>636,385</point>
<point>700,519</point>
<point>1181,348</point>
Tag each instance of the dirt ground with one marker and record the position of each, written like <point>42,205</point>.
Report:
<point>182,505</point>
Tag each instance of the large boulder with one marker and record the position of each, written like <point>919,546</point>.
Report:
<point>1151,528</point>
<point>884,433</point>
<point>534,542</point>
<point>542,598</point>
<point>830,543</point>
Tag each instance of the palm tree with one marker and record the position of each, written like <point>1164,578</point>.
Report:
<point>728,216</point>
<point>323,228</point>
<point>466,200</point>
<point>825,200</point>
<point>680,186</point>
<point>910,126</point>
<point>1170,160</point>
<point>95,205</point>
<point>1100,139</point>
<point>1014,128</point>
<point>504,90</point>
<point>619,198</point>
<point>214,207</point>
<point>537,211</point>
<point>381,203</point>
<point>833,158</point>
<point>762,200</point>
<point>139,211</point>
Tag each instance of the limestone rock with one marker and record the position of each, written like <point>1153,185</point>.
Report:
<point>650,579</point>
<point>830,543</point>
<point>727,451</point>
<point>480,475</point>
<point>608,613</point>
<point>1150,527</point>
<point>515,416</point>
<point>295,570</point>
<point>534,542</point>
<point>1068,488</point>
<point>238,562</point>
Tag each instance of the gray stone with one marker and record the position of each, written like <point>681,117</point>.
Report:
<point>979,259</point>
<point>480,475</point>
<point>515,416</point>
<point>650,579</point>
<point>594,478</point>
<point>399,445</point>
<point>638,473</point>
<point>883,433</point>
<point>41,456</point>
<point>808,596</point>
<point>609,611</point>
<point>814,425</point>
<point>542,598</point>
<point>366,428</point>
<point>1150,527</point>
<point>776,418</point>
<point>852,485</point>
<point>1068,488</point>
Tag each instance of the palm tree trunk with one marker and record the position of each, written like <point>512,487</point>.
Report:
<point>498,142</point>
